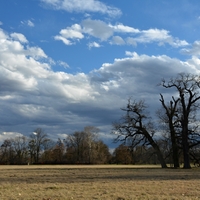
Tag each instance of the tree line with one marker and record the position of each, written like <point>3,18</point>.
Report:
<point>80,147</point>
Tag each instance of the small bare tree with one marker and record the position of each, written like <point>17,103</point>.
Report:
<point>85,147</point>
<point>20,147</point>
<point>37,140</point>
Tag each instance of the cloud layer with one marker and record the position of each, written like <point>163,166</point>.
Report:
<point>33,95</point>
<point>36,92</point>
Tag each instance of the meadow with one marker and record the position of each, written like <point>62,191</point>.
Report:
<point>109,182</point>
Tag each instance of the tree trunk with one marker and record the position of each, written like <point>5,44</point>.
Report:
<point>174,147</point>
<point>175,156</point>
<point>156,148</point>
<point>185,145</point>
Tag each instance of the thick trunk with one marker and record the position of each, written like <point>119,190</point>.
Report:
<point>175,156</point>
<point>185,142</point>
<point>174,147</point>
<point>185,146</point>
<point>170,112</point>
<point>157,149</point>
<point>160,156</point>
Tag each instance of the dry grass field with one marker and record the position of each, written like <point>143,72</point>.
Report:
<point>115,182</point>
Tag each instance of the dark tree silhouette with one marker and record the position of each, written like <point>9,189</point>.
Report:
<point>171,120</point>
<point>137,127</point>
<point>187,86</point>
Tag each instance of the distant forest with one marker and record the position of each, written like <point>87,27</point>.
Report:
<point>81,147</point>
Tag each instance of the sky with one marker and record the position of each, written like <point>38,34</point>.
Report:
<point>68,64</point>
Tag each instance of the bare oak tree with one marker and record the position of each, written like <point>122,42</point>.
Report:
<point>187,86</point>
<point>136,126</point>
<point>170,118</point>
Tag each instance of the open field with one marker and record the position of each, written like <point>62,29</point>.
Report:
<point>109,182</point>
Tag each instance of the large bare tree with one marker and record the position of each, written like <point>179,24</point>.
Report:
<point>170,118</point>
<point>136,127</point>
<point>187,87</point>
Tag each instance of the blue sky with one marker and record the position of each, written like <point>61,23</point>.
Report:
<point>66,64</point>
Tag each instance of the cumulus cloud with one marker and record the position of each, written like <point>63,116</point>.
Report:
<point>94,44</point>
<point>117,34</point>
<point>160,36</point>
<point>195,50</point>
<point>63,39</point>
<point>35,52</point>
<point>97,28</point>
<point>124,29</point>
<point>70,33</point>
<point>83,6</point>
<point>131,41</point>
<point>19,37</point>
<point>117,40</point>
<point>137,70</point>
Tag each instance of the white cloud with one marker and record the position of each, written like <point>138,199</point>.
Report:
<point>132,54</point>
<point>179,43</point>
<point>125,35</point>
<point>83,6</point>
<point>62,135</point>
<point>94,44</point>
<point>63,39</point>
<point>1,23</point>
<point>194,64</point>
<point>73,33</point>
<point>64,64</point>
<point>8,135</point>
<point>195,50</point>
<point>20,37</point>
<point>35,52</point>
<point>131,41</point>
<point>154,35</point>
<point>117,40</point>
<point>124,29</point>
<point>104,31</point>
<point>97,28</point>
<point>161,36</point>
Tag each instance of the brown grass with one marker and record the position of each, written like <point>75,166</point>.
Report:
<point>109,182</point>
